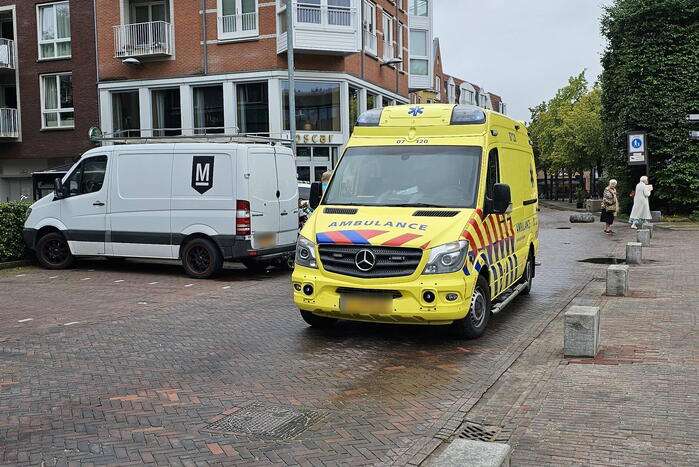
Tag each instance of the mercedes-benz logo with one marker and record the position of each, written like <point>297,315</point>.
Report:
<point>365,260</point>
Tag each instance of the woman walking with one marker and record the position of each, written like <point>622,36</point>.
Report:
<point>610,206</point>
<point>640,214</point>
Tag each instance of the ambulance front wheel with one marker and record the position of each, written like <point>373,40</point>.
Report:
<point>475,322</point>
<point>316,321</point>
<point>528,276</point>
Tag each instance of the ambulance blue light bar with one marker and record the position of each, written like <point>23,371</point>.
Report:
<point>467,115</point>
<point>370,118</point>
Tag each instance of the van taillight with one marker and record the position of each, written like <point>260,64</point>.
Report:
<point>242,217</point>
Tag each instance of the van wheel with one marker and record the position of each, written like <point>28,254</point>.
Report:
<point>201,259</point>
<point>316,321</point>
<point>528,277</point>
<point>256,266</point>
<point>474,323</point>
<point>53,252</point>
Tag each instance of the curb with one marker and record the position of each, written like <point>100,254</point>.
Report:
<point>15,264</point>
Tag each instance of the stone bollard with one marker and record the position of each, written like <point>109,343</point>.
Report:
<point>584,217</point>
<point>634,253</point>
<point>643,237</point>
<point>581,334</point>
<point>649,227</point>
<point>656,216</point>
<point>593,205</point>
<point>618,280</point>
<point>462,452</point>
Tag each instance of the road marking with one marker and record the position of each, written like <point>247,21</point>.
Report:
<point>226,287</point>
<point>143,303</point>
<point>189,285</point>
<point>20,275</point>
<point>85,278</point>
<point>120,280</point>
<point>25,320</point>
<point>53,277</point>
<point>152,283</point>
<point>71,323</point>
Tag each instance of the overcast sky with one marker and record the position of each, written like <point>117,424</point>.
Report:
<point>521,50</point>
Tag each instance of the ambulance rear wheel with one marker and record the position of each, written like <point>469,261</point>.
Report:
<point>316,321</point>
<point>474,323</point>
<point>201,258</point>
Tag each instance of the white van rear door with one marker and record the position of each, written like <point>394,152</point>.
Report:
<point>288,197</point>
<point>264,203</point>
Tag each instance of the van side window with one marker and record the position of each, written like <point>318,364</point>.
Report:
<point>493,175</point>
<point>88,177</point>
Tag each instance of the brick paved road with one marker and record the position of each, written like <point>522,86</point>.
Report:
<point>151,358</point>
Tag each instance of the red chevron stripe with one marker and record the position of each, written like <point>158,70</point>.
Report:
<point>424,247</point>
<point>401,240</point>
<point>369,234</point>
<point>474,224</point>
<point>337,237</point>
<point>467,235</point>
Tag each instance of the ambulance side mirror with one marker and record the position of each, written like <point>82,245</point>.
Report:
<point>502,198</point>
<point>315,195</point>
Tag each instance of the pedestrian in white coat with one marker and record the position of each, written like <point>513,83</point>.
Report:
<point>640,214</point>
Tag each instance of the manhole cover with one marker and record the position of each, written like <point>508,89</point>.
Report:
<point>478,432</point>
<point>276,422</point>
<point>602,261</point>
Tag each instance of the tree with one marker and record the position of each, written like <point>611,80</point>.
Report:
<point>650,83</point>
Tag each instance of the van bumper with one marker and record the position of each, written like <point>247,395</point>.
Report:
<point>236,248</point>
<point>408,304</point>
<point>29,237</point>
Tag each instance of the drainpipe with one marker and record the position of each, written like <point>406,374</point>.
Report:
<point>361,35</point>
<point>400,52</point>
<point>290,68</point>
<point>203,32</point>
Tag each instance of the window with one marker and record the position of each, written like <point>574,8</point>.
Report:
<point>167,113</point>
<point>353,107</point>
<point>438,86</point>
<point>308,11</point>
<point>88,177</point>
<point>208,110</point>
<point>399,53</point>
<point>371,101</point>
<point>388,38</point>
<point>493,175</point>
<point>54,30</point>
<point>57,101</point>
<point>418,7</point>
<point>313,161</point>
<point>419,57</point>
<point>253,108</point>
<point>317,106</point>
<point>126,118</point>
<point>339,13</point>
<point>370,27</point>
<point>144,11</point>
<point>237,17</point>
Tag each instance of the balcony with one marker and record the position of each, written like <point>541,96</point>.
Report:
<point>389,51</point>
<point>7,54</point>
<point>240,26</point>
<point>323,29</point>
<point>9,123</point>
<point>153,39</point>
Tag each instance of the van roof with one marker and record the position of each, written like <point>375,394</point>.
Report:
<point>161,146</point>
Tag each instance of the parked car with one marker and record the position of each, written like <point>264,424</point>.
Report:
<point>202,203</point>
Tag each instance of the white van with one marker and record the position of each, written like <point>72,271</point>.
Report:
<point>202,203</point>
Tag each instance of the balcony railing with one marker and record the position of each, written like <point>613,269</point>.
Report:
<point>324,15</point>
<point>370,41</point>
<point>389,50</point>
<point>7,54</point>
<point>143,39</point>
<point>239,25</point>
<point>9,123</point>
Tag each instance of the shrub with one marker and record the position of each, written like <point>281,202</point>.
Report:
<point>11,223</point>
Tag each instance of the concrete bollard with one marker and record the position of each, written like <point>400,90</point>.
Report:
<point>618,280</point>
<point>649,227</point>
<point>634,253</point>
<point>593,205</point>
<point>656,216</point>
<point>462,452</point>
<point>643,237</point>
<point>581,334</point>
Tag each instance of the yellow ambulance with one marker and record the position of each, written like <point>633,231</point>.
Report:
<point>430,218</point>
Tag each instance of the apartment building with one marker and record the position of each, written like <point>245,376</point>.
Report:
<point>449,89</point>
<point>191,67</point>
<point>48,98</point>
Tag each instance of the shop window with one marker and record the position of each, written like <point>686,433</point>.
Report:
<point>126,118</point>
<point>317,106</point>
<point>167,112</point>
<point>253,108</point>
<point>208,109</point>
<point>353,107</point>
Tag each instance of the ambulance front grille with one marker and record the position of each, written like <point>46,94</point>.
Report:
<point>390,261</point>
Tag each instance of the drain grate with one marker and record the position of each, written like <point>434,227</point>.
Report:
<point>478,432</point>
<point>274,422</point>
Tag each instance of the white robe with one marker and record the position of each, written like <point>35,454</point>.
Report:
<point>641,207</point>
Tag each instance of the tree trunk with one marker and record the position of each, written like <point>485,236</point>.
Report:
<point>570,185</point>
<point>546,185</point>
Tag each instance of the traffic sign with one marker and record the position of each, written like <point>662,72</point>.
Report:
<point>637,151</point>
<point>693,117</point>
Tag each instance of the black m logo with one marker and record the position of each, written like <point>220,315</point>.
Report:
<point>202,173</point>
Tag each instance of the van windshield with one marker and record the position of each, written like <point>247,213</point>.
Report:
<point>410,176</point>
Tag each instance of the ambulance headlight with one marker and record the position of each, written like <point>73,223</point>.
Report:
<point>306,253</point>
<point>447,258</point>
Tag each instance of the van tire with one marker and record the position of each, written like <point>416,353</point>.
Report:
<point>201,258</point>
<point>528,276</point>
<point>53,252</point>
<point>316,321</point>
<point>258,267</point>
<point>474,323</point>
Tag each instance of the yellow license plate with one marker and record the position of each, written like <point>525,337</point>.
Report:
<point>266,240</point>
<point>363,305</point>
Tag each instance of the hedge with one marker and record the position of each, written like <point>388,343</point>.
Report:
<point>12,216</point>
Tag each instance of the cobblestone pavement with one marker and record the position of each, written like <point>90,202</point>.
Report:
<point>133,363</point>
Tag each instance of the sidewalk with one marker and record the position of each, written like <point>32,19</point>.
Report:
<point>637,402</point>
<point>559,205</point>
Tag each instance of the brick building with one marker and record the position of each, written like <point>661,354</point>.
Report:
<point>448,89</point>
<point>170,67</point>
<point>48,98</point>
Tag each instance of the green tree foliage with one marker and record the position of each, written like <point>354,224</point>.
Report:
<point>11,224</point>
<point>650,83</point>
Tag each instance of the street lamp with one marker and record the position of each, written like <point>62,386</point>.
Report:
<point>290,66</point>
<point>392,61</point>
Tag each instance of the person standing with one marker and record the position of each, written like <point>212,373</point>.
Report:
<point>640,214</point>
<point>610,206</point>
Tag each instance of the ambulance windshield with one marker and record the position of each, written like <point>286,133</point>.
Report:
<point>407,176</point>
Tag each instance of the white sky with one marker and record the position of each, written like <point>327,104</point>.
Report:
<point>521,50</point>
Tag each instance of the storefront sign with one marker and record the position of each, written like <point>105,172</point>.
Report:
<point>315,138</point>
